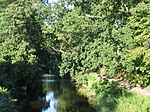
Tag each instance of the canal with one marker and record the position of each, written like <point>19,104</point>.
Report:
<point>58,95</point>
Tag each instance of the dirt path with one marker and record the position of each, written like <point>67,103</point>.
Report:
<point>131,87</point>
<point>124,84</point>
<point>141,91</point>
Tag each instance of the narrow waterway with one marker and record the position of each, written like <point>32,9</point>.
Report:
<point>58,95</point>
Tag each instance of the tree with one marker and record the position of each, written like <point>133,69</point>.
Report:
<point>139,55</point>
<point>102,35</point>
<point>18,51</point>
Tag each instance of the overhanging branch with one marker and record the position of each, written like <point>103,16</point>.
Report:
<point>57,50</point>
<point>93,17</point>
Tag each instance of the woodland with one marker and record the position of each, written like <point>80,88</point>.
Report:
<point>76,39</point>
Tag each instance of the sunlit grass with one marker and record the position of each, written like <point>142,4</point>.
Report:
<point>126,102</point>
<point>113,98</point>
<point>133,103</point>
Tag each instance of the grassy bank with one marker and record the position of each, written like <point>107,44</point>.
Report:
<point>111,97</point>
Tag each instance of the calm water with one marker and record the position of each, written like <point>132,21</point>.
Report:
<point>58,95</point>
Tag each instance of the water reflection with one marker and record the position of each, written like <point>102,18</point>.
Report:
<point>58,96</point>
<point>52,103</point>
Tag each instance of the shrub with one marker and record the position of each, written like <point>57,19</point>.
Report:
<point>7,104</point>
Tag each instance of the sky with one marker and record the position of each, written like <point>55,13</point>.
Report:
<point>53,0</point>
<point>70,6</point>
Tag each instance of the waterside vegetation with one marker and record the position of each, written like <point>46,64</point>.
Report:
<point>77,38</point>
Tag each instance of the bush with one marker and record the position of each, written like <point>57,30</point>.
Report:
<point>7,104</point>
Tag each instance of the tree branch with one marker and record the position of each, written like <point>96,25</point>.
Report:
<point>57,50</point>
<point>93,17</point>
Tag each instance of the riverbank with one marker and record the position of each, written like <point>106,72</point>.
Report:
<point>107,96</point>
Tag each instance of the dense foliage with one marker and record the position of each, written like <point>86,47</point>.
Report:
<point>110,35</point>
<point>18,59</point>
<point>74,38</point>
<point>23,55</point>
<point>7,104</point>
<point>24,44</point>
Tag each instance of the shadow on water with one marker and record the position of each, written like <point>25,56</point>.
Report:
<point>57,95</point>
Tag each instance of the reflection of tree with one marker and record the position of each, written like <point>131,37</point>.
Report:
<point>64,94</point>
<point>70,100</point>
<point>52,86</point>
